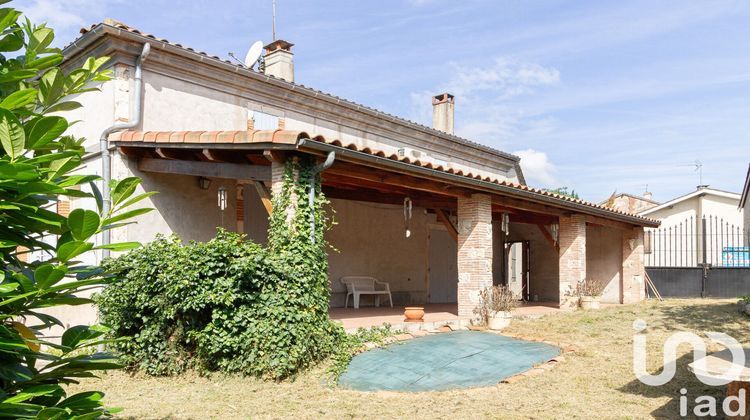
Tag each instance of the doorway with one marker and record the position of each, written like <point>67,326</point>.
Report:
<point>516,272</point>
<point>443,271</point>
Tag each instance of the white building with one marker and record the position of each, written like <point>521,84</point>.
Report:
<point>685,220</point>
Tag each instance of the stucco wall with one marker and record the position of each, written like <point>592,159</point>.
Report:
<point>370,241</point>
<point>181,206</point>
<point>543,265</point>
<point>604,260</point>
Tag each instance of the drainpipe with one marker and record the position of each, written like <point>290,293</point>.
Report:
<point>104,143</point>
<point>311,196</point>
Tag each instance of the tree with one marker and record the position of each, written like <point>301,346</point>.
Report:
<point>564,192</point>
<point>38,166</point>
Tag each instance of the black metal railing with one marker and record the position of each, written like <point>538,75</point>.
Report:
<point>694,242</point>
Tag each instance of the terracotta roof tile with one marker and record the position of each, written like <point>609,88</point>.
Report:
<point>292,137</point>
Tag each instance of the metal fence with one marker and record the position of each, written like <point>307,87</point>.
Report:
<point>694,242</point>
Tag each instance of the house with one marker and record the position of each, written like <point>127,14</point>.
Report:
<point>208,125</point>
<point>630,203</point>
<point>744,204</point>
<point>686,219</point>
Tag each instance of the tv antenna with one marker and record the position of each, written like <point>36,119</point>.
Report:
<point>698,167</point>
<point>273,22</point>
<point>253,55</point>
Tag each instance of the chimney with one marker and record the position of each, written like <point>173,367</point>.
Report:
<point>442,112</point>
<point>648,195</point>
<point>279,60</point>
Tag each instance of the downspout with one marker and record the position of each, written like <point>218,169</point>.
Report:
<point>311,196</point>
<point>104,143</point>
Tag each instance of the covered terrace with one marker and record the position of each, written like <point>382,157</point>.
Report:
<point>467,231</point>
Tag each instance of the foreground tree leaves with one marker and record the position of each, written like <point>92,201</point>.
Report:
<point>40,247</point>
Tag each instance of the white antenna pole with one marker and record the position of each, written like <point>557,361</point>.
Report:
<point>273,27</point>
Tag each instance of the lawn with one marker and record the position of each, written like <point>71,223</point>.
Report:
<point>596,381</point>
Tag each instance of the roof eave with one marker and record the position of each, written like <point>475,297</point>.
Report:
<point>311,145</point>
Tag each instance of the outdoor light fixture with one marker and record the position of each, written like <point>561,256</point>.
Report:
<point>222,202</point>
<point>407,216</point>
<point>204,183</point>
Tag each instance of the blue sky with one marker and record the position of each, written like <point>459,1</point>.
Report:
<point>598,96</point>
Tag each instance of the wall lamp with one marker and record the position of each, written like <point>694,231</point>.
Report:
<point>204,183</point>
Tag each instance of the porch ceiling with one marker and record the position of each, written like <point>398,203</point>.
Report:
<point>367,174</point>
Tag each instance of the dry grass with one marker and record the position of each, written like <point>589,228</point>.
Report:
<point>594,383</point>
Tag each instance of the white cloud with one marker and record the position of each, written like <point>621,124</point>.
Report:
<point>537,168</point>
<point>484,99</point>
<point>506,77</point>
<point>57,14</point>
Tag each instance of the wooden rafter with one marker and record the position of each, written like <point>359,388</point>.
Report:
<point>442,217</point>
<point>398,180</point>
<point>206,169</point>
<point>548,236</point>
<point>265,196</point>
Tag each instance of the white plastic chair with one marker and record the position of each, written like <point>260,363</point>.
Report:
<point>363,285</point>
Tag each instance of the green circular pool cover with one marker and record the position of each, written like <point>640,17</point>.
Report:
<point>462,359</point>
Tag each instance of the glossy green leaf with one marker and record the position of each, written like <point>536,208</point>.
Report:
<point>46,130</point>
<point>127,215</point>
<point>47,275</point>
<point>83,223</point>
<point>78,334</point>
<point>12,137</point>
<point>19,98</point>
<point>35,391</point>
<point>120,246</point>
<point>123,189</point>
<point>16,75</point>
<point>72,249</point>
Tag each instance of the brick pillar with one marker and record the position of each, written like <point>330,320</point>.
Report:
<point>278,170</point>
<point>633,288</point>
<point>572,261</point>
<point>474,250</point>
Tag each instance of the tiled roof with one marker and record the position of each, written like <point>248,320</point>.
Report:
<point>292,137</point>
<point>122,26</point>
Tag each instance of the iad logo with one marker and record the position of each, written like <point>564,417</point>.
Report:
<point>704,405</point>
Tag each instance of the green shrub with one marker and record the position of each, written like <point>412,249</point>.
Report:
<point>229,305</point>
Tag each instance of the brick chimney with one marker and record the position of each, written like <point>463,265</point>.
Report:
<point>279,60</point>
<point>442,112</point>
<point>648,195</point>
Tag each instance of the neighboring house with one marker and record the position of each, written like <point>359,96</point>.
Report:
<point>630,203</point>
<point>684,221</point>
<point>744,204</point>
<point>207,124</point>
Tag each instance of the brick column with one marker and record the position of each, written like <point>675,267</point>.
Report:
<point>278,170</point>
<point>474,250</point>
<point>572,261</point>
<point>633,288</point>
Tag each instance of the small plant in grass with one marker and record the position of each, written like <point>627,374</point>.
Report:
<point>495,306</point>
<point>589,292</point>
<point>745,304</point>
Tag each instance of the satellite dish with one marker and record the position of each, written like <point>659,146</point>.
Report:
<point>253,54</point>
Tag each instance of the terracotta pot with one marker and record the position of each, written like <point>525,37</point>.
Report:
<point>589,302</point>
<point>499,321</point>
<point>413,313</point>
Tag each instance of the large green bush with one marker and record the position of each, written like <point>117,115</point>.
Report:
<point>229,304</point>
